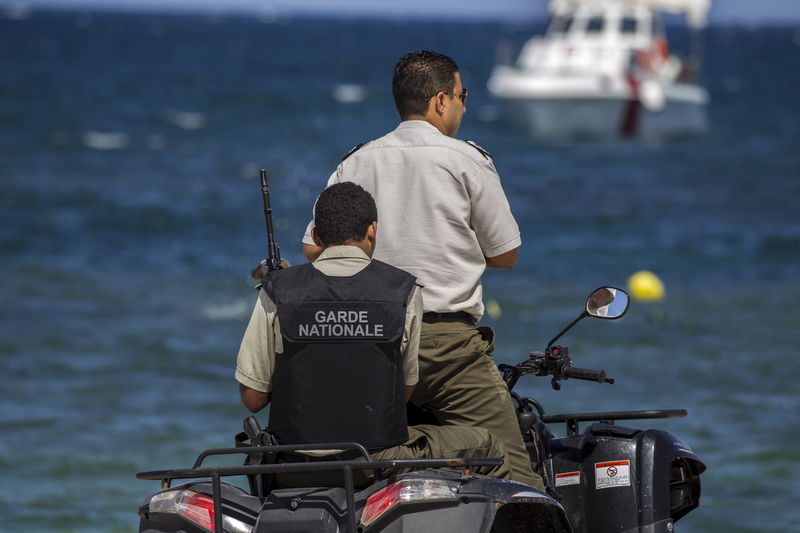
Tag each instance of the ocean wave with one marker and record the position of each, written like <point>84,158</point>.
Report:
<point>228,311</point>
<point>349,93</point>
<point>188,120</point>
<point>102,140</point>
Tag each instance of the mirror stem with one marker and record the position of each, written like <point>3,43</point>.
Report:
<point>581,316</point>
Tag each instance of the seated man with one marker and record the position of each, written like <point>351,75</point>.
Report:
<point>332,345</point>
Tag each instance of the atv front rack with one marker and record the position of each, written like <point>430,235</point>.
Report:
<point>346,466</point>
<point>572,419</point>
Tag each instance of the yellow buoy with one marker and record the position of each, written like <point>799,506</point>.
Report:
<point>645,286</point>
<point>493,309</point>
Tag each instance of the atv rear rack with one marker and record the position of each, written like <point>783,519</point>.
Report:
<point>346,466</point>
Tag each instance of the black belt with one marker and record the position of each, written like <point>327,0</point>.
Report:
<point>460,316</point>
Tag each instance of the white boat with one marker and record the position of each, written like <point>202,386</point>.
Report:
<point>604,70</point>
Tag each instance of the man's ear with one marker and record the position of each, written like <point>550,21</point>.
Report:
<point>440,103</point>
<point>315,237</point>
<point>372,231</point>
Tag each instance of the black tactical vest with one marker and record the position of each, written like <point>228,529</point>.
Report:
<point>340,376</point>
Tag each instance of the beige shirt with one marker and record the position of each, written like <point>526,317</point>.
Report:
<point>262,340</point>
<point>441,211</point>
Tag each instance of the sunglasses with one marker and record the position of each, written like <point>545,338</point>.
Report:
<point>462,96</point>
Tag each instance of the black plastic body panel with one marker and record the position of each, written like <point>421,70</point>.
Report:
<point>617,479</point>
<point>293,510</point>
<point>450,516</point>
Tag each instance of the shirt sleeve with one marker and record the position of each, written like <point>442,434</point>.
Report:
<point>307,235</point>
<point>262,340</point>
<point>411,333</point>
<point>490,213</point>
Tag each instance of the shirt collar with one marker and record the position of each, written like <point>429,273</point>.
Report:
<point>343,252</point>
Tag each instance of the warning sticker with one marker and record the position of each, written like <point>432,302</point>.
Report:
<point>568,478</point>
<point>612,474</point>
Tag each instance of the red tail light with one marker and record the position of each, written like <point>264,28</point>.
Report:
<point>407,490</point>
<point>200,510</point>
<point>380,502</point>
<point>195,507</point>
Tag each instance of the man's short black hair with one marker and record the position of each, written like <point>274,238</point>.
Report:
<point>417,77</point>
<point>343,213</point>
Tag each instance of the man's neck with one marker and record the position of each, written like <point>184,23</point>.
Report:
<point>433,121</point>
<point>364,245</point>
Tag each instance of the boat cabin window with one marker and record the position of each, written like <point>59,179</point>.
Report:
<point>595,25</point>
<point>561,24</point>
<point>627,25</point>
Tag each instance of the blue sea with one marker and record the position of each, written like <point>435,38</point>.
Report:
<point>130,216</point>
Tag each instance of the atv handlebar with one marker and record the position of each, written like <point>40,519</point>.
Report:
<point>586,374</point>
<point>555,362</point>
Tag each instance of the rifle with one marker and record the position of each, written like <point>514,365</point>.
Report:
<point>273,260</point>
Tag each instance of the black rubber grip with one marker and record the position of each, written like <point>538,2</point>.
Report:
<point>584,373</point>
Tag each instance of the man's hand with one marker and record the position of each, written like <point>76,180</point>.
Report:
<point>504,261</point>
<point>261,269</point>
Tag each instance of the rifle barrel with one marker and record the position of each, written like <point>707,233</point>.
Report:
<point>273,251</point>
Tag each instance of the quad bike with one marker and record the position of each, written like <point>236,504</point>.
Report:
<point>607,478</point>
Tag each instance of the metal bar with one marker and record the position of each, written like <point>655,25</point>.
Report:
<point>217,493</point>
<point>246,450</point>
<point>616,415</point>
<point>349,494</point>
<point>188,473</point>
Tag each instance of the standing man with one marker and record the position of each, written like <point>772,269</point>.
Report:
<point>332,346</point>
<point>444,219</point>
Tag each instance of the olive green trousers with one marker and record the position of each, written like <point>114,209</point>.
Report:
<point>431,442</point>
<point>424,442</point>
<point>459,382</point>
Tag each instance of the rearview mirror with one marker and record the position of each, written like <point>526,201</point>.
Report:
<point>608,303</point>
